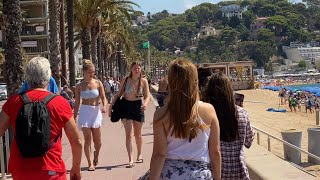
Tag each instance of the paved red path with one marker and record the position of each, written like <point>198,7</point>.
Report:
<point>113,156</point>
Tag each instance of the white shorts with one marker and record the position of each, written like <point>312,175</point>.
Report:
<point>89,117</point>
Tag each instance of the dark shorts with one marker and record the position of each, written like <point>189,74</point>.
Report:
<point>160,98</point>
<point>132,110</point>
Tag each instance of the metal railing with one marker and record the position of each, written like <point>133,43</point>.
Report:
<point>258,131</point>
<point>4,157</point>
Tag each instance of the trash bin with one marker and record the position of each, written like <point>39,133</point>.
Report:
<point>313,144</point>
<point>293,137</point>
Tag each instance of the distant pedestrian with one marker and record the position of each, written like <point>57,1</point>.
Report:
<point>90,91</point>
<point>68,95</point>
<point>49,165</point>
<point>116,85</point>
<point>108,87</point>
<point>136,98</point>
<point>309,103</point>
<point>52,86</point>
<point>203,75</point>
<point>235,129</point>
<point>162,91</point>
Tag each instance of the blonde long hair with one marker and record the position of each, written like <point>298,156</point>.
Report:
<point>183,99</point>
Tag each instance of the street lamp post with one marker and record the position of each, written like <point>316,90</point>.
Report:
<point>119,51</point>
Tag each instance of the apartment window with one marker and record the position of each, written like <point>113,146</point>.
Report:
<point>80,61</point>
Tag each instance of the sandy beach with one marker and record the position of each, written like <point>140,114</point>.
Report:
<point>257,101</point>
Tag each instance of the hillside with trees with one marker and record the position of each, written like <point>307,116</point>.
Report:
<point>286,22</point>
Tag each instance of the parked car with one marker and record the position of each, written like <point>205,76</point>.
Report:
<point>3,92</point>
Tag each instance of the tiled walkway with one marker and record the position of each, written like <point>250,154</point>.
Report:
<point>113,156</point>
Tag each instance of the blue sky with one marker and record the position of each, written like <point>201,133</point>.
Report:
<point>173,6</point>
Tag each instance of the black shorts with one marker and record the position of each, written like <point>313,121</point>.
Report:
<point>132,110</point>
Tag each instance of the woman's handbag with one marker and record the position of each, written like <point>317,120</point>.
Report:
<point>116,108</point>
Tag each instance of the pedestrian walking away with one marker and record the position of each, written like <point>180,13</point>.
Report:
<point>36,152</point>
<point>235,129</point>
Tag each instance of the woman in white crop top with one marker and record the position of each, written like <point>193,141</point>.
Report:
<point>186,131</point>
<point>89,92</point>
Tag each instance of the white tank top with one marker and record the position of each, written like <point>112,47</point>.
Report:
<point>196,150</point>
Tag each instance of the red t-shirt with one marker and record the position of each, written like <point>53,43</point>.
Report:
<point>60,113</point>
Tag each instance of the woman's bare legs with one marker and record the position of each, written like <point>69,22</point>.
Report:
<point>137,126</point>
<point>128,129</point>
<point>87,145</point>
<point>96,136</point>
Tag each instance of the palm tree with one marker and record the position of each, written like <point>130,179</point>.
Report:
<point>13,69</point>
<point>83,19</point>
<point>117,37</point>
<point>70,19</point>
<point>63,45</point>
<point>54,41</point>
<point>88,15</point>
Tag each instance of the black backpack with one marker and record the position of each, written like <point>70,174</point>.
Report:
<point>33,128</point>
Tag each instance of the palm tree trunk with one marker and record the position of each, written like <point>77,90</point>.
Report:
<point>85,42</point>
<point>100,68</point>
<point>13,68</point>
<point>113,62</point>
<point>103,68</point>
<point>72,68</point>
<point>54,43</point>
<point>94,37</point>
<point>63,45</point>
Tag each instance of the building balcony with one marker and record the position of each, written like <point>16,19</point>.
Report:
<point>36,19</point>
<point>29,2</point>
<point>35,46</point>
<point>36,30</point>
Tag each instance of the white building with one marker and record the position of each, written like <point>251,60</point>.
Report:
<point>206,31</point>
<point>259,72</point>
<point>77,61</point>
<point>309,53</point>
<point>232,10</point>
<point>300,53</point>
<point>143,20</point>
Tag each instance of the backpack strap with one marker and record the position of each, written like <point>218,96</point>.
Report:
<point>54,140</point>
<point>24,97</point>
<point>48,98</point>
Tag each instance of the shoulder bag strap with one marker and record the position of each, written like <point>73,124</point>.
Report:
<point>123,87</point>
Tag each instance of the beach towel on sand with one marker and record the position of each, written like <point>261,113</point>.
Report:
<point>276,110</point>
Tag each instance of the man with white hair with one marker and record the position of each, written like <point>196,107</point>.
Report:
<point>52,87</point>
<point>49,165</point>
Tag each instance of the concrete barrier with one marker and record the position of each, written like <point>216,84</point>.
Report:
<point>294,137</point>
<point>313,144</point>
<point>263,165</point>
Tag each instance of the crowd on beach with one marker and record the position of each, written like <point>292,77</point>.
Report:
<point>296,100</point>
<point>272,81</point>
<point>200,128</point>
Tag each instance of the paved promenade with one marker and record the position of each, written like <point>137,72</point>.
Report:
<point>113,155</point>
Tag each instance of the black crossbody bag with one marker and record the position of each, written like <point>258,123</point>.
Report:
<point>116,108</point>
